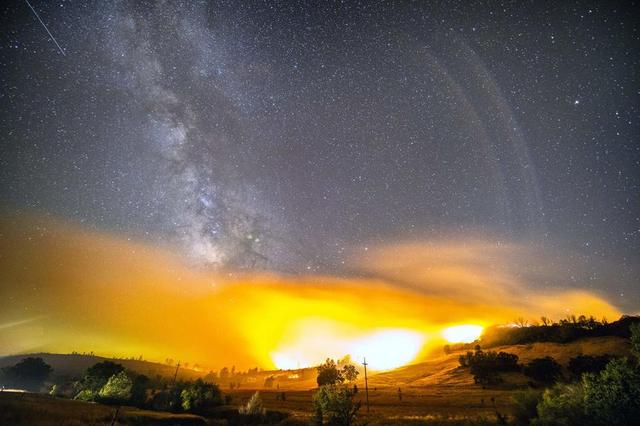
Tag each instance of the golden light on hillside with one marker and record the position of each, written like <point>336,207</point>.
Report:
<point>462,333</point>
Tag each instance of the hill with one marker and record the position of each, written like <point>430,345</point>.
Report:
<point>74,365</point>
<point>426,392</point>
<point>444,370</point>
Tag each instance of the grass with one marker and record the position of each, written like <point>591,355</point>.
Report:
<point>43,410</point>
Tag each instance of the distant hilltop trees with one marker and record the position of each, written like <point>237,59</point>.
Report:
<point>564,331</point>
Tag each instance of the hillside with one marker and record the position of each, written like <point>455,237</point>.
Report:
<point>444,370</point>
<point>440,370</point>
<point>74,365</point>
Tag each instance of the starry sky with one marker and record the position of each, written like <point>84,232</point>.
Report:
<point>283,136</point>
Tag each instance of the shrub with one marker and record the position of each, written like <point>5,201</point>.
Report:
<point>95,378</point>
<point>117,390</point>
<point>30,374</point>
<point>336,404</point>
<point>139,390</point>
<point>199,396</point>
<point>587,364</point>
<point>525,406</point>
<point>634,329</point>
<point>545,369</point>
<point>86,395</point>
<point>561,405</point>
<point>485,366</point>
<point>104,370</point>
<point>254,407</point>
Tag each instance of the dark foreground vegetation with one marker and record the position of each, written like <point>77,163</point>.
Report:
<point>600,390</point>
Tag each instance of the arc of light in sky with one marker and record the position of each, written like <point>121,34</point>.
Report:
<point>45,27</point>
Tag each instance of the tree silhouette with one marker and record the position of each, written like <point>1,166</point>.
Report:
<point>30,373</point>
<point>328,373</point>
<point>349,372</point>
<point>543,369</point>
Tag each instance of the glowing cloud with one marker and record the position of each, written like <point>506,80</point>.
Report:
<point>462,333</point>
<point>85,291</point>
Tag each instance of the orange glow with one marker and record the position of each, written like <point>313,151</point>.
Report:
<point>462,333</point>
<point>74,290</point>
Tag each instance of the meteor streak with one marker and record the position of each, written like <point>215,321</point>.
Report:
<point>45,27</point>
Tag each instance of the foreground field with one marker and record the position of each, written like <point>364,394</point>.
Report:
<point>18,409</point>
<point>42,410</point>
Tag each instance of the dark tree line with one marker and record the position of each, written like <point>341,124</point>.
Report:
<point>564,331</point>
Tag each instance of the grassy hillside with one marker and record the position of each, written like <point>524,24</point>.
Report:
<point>444,370</point>
<point>74,365</point>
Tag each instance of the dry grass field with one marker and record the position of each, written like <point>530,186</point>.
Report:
<point>42,410</point>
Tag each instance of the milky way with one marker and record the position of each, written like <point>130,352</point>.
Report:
<point>286,135</point>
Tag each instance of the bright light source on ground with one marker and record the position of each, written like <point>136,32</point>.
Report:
<point>462,333</point>
<point>317,340</point>
<point>388,349</point>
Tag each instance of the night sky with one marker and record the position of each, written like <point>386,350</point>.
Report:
<point>283,136</point>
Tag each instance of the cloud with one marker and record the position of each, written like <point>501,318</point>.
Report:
<point>100,292</point>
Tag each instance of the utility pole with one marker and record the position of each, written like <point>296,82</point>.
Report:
<point>175,375</point>
<point>366,383</point>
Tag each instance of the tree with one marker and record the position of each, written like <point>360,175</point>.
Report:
<point>224,373</point>
<point>198,396</point>
<point>561,405</point>
<point>328,374</point>
<point>543,369</point>
<point>95,378</point>
<point>634,328</point>
<point>117,390</point>
<point>139,390</point>
<point>349,372</point>
<point>104,370</point>
<point>485,366</point>
<point>30,373</point>
<point>336,404</point>
<point>525,406</point>
<point>613,396</point>
<point>587,364</point>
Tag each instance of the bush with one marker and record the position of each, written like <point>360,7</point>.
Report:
<point>117,390</point>
<point>336,404</point>
<point>199,396</point>
<point>613,396</point>
<point>634,330</point>
<point>254,408</point>
<point>525,406</point>
<point>562,405</point>
<point>30,374</point>
<point>139,390</point>
<point>545,369</point>
<point>95,378</point>
<point>485,366</point>
<point>587,364</point>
